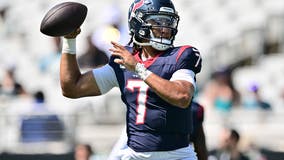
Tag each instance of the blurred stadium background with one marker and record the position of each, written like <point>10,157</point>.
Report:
<point>244,36</point>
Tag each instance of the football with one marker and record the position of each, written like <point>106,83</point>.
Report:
<point>63,18</point>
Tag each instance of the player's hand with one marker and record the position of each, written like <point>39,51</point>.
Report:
<point>73,34</point>
<point>126,58</point>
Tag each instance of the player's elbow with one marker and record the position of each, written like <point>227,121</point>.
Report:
<point>184,94</point>
<point>68,92</point>
<point>184,101</point>
<point>68,95</point>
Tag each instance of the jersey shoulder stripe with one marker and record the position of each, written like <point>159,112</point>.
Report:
<point>181,50</point>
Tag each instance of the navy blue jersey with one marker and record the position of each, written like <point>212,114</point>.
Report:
<point>152,123</point>
<point>197,113</point>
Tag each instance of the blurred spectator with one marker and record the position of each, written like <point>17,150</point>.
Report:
<point>3,10</point>
<point>50,62</point>
<point>93,57</point>
<point>228,149</point>
<point>9,87</point>
<point>254,153</point>
<point>83,152</point>
<point>282,93</point>
<point>113,29</point>
<point>39,124</point>
<point>271,46</point>
<point>220,92</point>
<point>254,100</point>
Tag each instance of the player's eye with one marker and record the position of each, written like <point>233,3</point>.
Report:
<point>162,20</point>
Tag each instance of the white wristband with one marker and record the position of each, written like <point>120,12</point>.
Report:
<point>141,71</point>
<point>69,46</point>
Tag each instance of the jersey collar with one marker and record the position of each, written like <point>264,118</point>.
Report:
<point>149,61</point>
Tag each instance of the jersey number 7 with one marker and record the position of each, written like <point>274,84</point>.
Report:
<point>141,98</point>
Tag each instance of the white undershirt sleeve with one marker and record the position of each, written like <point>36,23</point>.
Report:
<point>184,74</point>
<point>105,78</point>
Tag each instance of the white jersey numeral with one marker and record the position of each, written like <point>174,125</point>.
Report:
<point>198,55</point>
<point>141,98</point>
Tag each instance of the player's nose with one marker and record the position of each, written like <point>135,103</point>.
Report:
<point>166,32</point>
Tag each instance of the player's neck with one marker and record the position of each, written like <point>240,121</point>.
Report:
<point>148,52</point>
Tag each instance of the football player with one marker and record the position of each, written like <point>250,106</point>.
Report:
<point>156,80</point>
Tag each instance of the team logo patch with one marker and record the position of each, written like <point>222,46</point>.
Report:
<point>137,5</point>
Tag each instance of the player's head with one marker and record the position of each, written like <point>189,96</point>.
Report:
<point>229,138</point>
<point>39,97</point>
<point>83,151</point>
<point>153,23</point>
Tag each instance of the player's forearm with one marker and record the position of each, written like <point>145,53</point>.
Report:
<point>177,93</point>
<point>73,83</point>
<point>69,74</point>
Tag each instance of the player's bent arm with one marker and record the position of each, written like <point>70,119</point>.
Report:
<point>177,92</point>
<point>73,83</point>
<point>200,144</point>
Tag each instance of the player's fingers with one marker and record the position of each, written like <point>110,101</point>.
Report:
<point>117,45</point>
<point>113,50</point>
<point>114,43</point>
<point>73,34</point>
<point>116,54</point>
<point>119,61</point>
